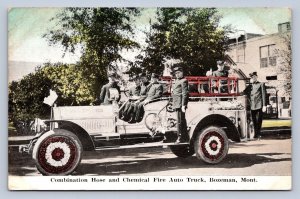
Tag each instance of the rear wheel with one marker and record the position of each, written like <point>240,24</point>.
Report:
<point>182,151</point>
<point>211,145</point>
<point>57,153</point>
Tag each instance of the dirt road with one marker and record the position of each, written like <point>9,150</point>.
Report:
<point>265,157</point>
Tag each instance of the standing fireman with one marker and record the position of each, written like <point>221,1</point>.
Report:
<point>257,96</point>
<point>180,101</point>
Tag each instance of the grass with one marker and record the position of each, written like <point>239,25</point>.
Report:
<point>276,123</point>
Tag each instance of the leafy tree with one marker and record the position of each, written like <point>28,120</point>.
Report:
<point>25,100</point>
<point>192,35</point>
<point>285,63</point>
<point>69,83</point>
<point>26,96</point>
<point>101,33</point>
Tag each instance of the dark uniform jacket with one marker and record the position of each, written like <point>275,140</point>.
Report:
<point>105,93</point>
<point>180,93</point>
<point>257,94</point>
<point>144,90</point>
<point>222,73</point>
<point>155,91</point>
<point>135,91</point>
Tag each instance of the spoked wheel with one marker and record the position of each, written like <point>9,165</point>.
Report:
<point>211,145</point>
<point>182,151</point>
<point>57,153</point>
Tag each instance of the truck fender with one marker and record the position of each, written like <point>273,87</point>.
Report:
<point>83,136</point>
<point>199,123</point>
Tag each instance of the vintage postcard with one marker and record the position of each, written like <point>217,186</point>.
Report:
<point>162,98</point>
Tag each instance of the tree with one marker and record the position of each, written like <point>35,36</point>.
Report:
<point>284,55</point>
<point>192,35</point>
<point>27,95</point>
<point>25,99</point>
<point>101,33</point>
<point>69,83</point>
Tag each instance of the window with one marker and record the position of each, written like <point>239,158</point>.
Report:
<point>283,27</point>
<point>271,77</point>
<point>267,56</point>
<point>241,53</point>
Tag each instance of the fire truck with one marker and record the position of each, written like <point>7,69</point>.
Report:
<point>217,114</point>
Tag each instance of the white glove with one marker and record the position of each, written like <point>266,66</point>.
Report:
<point>264,108</point>
<point>183,108</point>
<point>209,73</point>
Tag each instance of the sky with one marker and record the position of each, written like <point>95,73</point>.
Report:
<point>255,20</point>
<point>26,26</point>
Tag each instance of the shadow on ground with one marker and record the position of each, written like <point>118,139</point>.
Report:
<point>20,164</point>
<point>166,164</point>
<point>141,162</point>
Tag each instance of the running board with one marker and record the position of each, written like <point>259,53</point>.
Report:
<point>143,145</point>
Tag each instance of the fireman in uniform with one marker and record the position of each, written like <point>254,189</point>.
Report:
<point>154,90</point>
<point>220,72</point>
<point>134,92</point>
<point>257,96</point>
<point>144,86</point>
<point>180,101</point>
<point>136,89</point>
<point>107,89</point>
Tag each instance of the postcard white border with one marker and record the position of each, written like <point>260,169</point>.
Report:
<point>295,5</point>
<point>150,183</point>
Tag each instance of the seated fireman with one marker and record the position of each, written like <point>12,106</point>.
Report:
<point>110,91</point>
<point>134,93</point>
<point>144,86</point>
<point>155,90</point>
<point>129,114</point>
<point>220,72</point>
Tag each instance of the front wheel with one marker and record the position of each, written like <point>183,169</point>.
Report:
<point>57,152</point>
<point>211,145</point>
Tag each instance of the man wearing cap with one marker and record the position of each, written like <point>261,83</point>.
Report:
<point>154,90</point>
<point>136,89</point>
<point>257,96</point>
<point>220,72</point>
<point>144,86</point>
<point>140,89</point>
<point>110,91</point>
<point>134,92</point>
<point>180,101</point>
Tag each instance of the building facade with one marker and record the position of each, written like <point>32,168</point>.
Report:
<point>270,56</point>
